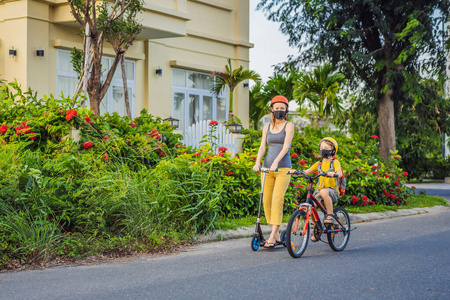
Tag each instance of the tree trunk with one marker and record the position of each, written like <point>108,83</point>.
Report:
<point>319,122</point>
<point>230,111</point>
<point>125,87</point>
<point>386,124</point>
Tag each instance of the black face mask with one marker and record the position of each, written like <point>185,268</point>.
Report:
<point>279,114</point>
<point>325,153</point>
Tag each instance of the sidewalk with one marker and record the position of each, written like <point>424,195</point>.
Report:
<point>430,186</point>
<point>354,218</point>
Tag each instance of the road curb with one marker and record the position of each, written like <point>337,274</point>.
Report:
<point>243,232</point>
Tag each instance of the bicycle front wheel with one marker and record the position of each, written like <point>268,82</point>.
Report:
<point>340,234</point>
<point>297,233</point>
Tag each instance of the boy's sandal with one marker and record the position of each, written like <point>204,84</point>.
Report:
<point>313,238</point>
<point>329,220</point>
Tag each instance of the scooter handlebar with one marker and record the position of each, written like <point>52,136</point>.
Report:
<point>267,170</point>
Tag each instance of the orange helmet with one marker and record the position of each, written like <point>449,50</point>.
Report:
<point>281,99</point>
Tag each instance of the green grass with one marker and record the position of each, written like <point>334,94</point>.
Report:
<point>415,181</point>
<point>248,221</point>
<point>413,201</point>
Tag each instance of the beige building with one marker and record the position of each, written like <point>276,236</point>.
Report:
<point>185,40</point>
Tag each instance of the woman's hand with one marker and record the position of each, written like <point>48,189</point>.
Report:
<point>331,174</point>
<point>256,167</point>
<point>274,167</point>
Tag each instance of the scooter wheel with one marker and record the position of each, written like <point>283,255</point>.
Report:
<point>255,242</point>
<point>283,238</point>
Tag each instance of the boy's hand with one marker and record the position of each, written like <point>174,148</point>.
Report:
<point>331,174</point>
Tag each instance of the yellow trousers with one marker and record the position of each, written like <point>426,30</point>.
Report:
<point>275,187</point>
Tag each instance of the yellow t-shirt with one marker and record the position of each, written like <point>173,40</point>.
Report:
<point>327,182</point>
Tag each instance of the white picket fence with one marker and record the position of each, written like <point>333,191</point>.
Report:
<point>195,133</point>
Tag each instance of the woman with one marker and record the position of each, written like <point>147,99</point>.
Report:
<point>278,136</point>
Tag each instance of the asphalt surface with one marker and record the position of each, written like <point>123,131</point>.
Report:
<point>398,258</point>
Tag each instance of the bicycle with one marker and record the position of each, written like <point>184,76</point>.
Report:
<point>298,229</point>
<point>258,238</point>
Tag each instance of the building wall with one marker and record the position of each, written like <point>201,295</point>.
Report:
<point>195,35</point>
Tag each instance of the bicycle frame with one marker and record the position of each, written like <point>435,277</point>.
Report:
<point>310,207</point>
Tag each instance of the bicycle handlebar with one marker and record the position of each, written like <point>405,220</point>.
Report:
<point>312,177</point>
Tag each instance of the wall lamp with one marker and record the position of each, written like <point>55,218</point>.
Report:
<point>12,52</point>
<point>175,123</point>
<point>234,127</point>
<point>159,72</point>
<point>40,52</point>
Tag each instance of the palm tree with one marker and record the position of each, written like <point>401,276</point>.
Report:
<point>231,78</point>
<point>258,104</point>
<point>321,89</point>
<point>260,95</point>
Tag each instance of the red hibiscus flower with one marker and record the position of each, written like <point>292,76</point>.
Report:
<point>3,128</point>
<point>132,124</point>
<point>105,138</point>
<point>33,135</point>
<point>374,137</point>
<point>364,198</point>
<point>374,167</point>
<point>196,154</point>
<point>222,149</point>
<point>88,120</point>
<point>374,172</point>
<point>105,156</point>
<point>213,123</point>
<point>291,184</point>
<point>70,114</point>
<point>88,145</point>
<point>392,196</point>
<point>396,182</point>
<point>405,173</point>
<point>386,176</point>
<point>294,155</point>
<point>371,202</point>
<point>299,186</point>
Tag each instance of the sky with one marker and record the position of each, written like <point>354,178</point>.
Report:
<point>271,46</point>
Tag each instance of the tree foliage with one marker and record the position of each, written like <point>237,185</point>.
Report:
<point>116,22</point>
<point>321,89</point>
<point>374,42</point>
<point>231,78</point>
<point>279,84</point>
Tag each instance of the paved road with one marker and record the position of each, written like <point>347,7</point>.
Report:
<point>401,258</point>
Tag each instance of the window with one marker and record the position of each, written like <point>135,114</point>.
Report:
<point>193,100</point>
<point>114,100</point>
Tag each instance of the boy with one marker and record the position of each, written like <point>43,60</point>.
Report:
<point>328,188</point>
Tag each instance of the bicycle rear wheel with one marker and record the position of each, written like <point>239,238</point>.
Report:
<point>297,234</point>
<point>338,240</point>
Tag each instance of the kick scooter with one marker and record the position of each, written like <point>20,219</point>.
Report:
<point>258,238</point>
